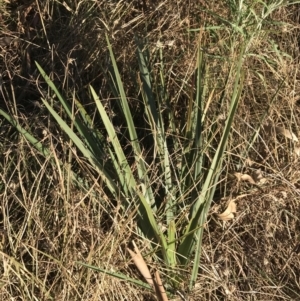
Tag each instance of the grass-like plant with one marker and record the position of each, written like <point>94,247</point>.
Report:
<point>186,153</point>
<point>187,177</point>
<point>195,183</point>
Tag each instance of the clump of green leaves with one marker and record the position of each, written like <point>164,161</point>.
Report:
<point>187,199</point>
<point>180,244</point>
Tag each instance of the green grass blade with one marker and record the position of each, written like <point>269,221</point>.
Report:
<point>171,243</point>
<point>213,175</point>
<point>126,177</point>
<point>99,138</point>
<point>193,151</point>
<point>147,220</point>
<point>38,145</point>
<point>142,170</point>
<point>155,120</point>
<point>99,144</point>
<point>117,275</point>
<point>207,203</point>
<point>202,205</point>
<point>197,138</point>
<point>82,128</point>
<point>41,148</point>
<point>86,152</point>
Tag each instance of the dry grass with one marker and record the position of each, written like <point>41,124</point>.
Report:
<point>47,224</point>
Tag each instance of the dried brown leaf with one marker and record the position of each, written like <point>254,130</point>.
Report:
<point>249,162</point>
<point>258,174</point>
<point>141,264</point>
<point>159,288</point>
<point>228,213</point>
<point>281,131</point>
<point>262,181</point>
<point>297,150</point>
<point>259,178</point>
<point>244,177</point>
<point>286,133</point>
